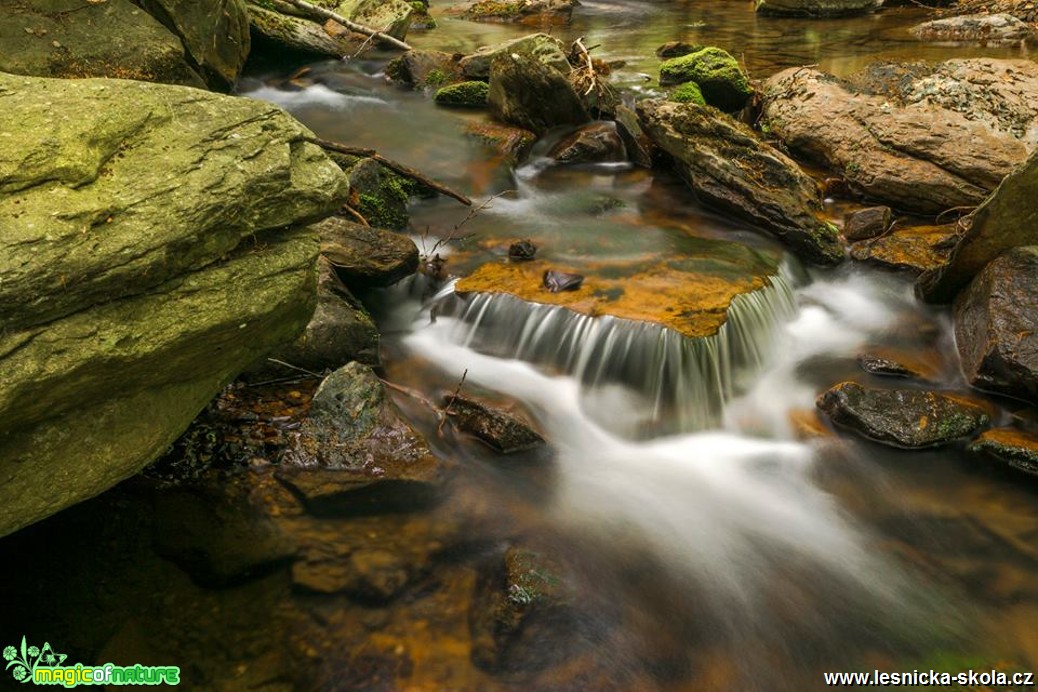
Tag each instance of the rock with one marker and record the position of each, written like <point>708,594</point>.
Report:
<point>355,454</point>
<point>718,75</point>
<point>546,49</point>
<point>886,365</point>
<point>597,142</point>
<point>366,257</point>
<point>152,287</point>
<point>996,326</point>
<point>521,251</point>
<point>526,92</point>
<point>510,143</point>
<point>73,39</point>
<point>909,418</point>
<point>935,137</point>
<point>727,166</point>
<point>297,34</point>
<point>217,534</point>
<point>689,92</point>
<point>817,8</point>
<point>675,49</point>
<point>339,331</point>
<point>391,17</point>
<point>1017,449</point>
<point>465,94</point>
<point>556,281</point>
<point>867,223</point>
<point>537,12</point>
<point>215,36</point>
<point>425,68</point>
<point>636,143</point>
<point>689,292</point>
<point>380,195</point>
<point>1007,219</point>
<point>500,430</point>
<point>912,248</point>
<point>521,599</point>
<point>986,28</point>
<point>367,575</point>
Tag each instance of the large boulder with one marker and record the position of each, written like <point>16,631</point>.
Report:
<point>527,93</point>
<point>74,39</point>
<point>546,49</point>
<point>1007,219</point>
<point>996,326</point>
<point>215,35</point>
<point>728,166</point>
<point>986,28</point>
<point>133,292</point>
<point>537,12</point>
<point>922,139</point>
<point>817,8</point>
<point>908,418</point>
<point>720,78</point>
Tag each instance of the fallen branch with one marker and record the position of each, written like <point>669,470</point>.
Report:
<point>393,165</point>
<point>357,215</point>
<point>441,413</point>
<point>454,397</point>
<point>351,25</point>
<point>586,54</point>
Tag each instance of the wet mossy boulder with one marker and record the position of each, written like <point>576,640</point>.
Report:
<point>1017,449</point>
<point>132,292</point>
<point>817,8</point>
<point>544,48</point>
<point>215,35</point>
<point>689,92</point>
<point>728,166</point>
<point>718,75</point>
<point>909,418</point>
<point>380,195</point>
<point>77,39</point>
<point>536,12</point>
<point>424,68</point>
<point>463,94</point>
<point>996,326</point>
<point>529,94</point>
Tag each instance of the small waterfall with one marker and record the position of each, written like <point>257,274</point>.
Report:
<point>681,383</point>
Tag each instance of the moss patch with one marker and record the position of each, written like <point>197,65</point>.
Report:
<point>718,75</point>
<point>465,94</point>
<point>689,92</point>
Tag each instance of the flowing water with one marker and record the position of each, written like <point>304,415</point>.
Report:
<point>708,543</point>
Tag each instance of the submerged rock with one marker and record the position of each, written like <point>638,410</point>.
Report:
<point>924,139</point>
<point>370,575</point>
<point>1007,219</point>
<point>1017,449</point>
<point>909,418</point>
<point>355,454</point>
<point>996,326</point>
<point>152,287</point>
<point>366,257</point>
<point>526,92</point>
<point>817,8</point>
<point>499,429</point>
<point>727,166</point>
<point>986,28</point>
<point>718,75</point>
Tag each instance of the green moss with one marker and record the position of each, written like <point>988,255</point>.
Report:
<point>689,92</point>
<point>718,75</point>
<point>467,94</point>
<point>437,78</point>
<point>494,8</point>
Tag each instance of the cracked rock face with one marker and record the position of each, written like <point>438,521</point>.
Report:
<point>921,139</point>
<point>151,247</point>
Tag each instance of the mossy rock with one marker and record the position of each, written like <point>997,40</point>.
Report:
<point>380,195</point>
<point>689,92</point>
<point>465,94</point>
<point>722,81</point>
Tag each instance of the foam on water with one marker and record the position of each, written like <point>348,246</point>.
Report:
<point>313,95</point>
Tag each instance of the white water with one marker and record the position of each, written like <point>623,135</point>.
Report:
<point>728,507</point>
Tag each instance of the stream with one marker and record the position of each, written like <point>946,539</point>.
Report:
<point>707,542</point>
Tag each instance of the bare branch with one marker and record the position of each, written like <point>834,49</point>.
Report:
<point>316,11</point>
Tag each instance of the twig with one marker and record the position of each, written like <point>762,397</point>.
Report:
<point>351,25</point>
<point>454,396</point>
<point>294,367</point>
<point>357,215</point>
<point>579,43</point>
<point>967,209</point>
<point>364,45</point>
<point>473,213</point>
<point>389,163</point>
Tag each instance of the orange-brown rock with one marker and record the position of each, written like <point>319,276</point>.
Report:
<point>915,248</point>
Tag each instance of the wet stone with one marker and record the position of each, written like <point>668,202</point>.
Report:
<point>866,223</point>
<point>889,367</point>
<point>521,250</point>
<point>908,418</point>
<point>1015,448</point>
<point>556,281</point>
<point>502,431</point>
<point>373,575</point>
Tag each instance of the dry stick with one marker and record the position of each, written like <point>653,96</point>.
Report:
<point>441,414</point>
<point>454,396</point>
<point>389,163</point>
<point>579,43</point>
<point>357,215</point>
<point>352,26</point>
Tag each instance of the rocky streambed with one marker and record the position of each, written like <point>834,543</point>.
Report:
<point>547,358</point>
